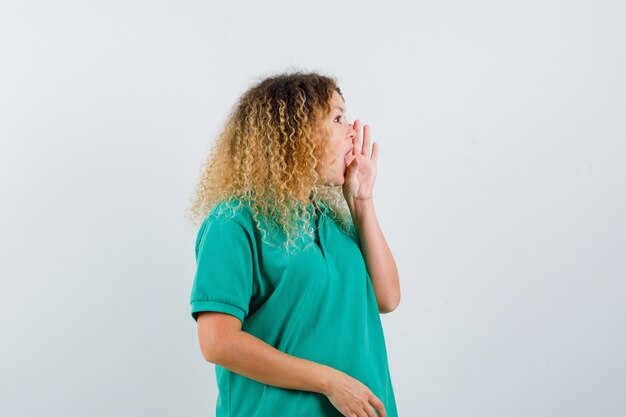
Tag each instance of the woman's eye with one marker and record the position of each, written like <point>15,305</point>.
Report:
<point>338,117</point>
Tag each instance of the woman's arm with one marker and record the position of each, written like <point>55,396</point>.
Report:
<point>381,266</point>
<point>224,343</point>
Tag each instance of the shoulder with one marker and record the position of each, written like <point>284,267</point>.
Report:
<point>231,210</point>
<point>226,218</point>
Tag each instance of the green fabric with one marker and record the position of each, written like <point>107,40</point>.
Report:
<point>317,304</point>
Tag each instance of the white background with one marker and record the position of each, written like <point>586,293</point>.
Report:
<point>500,189</point>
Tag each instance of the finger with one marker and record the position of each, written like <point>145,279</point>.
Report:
<point>357,137</point>
<point>370,411</point>
<point>366,140</point>
<point>349,158</point>
<point>375,151</point>
<point>378,405</point>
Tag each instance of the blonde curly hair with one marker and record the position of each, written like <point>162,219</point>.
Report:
<point>268,156</point>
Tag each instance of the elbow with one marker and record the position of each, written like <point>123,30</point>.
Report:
<point>210,347</point>
<point>210,353</point>
<point>390,305</point>
<point>391,299</point>
<point>217,353</point>
<point>217,350</point>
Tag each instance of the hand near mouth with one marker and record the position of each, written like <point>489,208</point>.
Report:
<point>361,166</point>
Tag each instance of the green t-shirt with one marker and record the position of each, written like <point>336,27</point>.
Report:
<point>317,304</point>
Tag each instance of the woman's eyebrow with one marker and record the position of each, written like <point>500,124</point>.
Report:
<point>340,108</point>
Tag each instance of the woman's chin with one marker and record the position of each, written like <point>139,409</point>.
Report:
<point>338,180</point>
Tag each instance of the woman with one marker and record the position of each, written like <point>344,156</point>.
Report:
<point>293,270</point>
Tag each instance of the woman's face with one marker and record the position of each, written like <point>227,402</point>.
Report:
<point>334,167</point>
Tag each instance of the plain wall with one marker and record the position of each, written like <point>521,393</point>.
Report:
<point>500,190</point>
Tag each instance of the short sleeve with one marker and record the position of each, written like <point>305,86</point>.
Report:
<point>224,268</point>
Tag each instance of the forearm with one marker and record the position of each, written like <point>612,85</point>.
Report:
<point>251,357</point>
<point>381,265</point>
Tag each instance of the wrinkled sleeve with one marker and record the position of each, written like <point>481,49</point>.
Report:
<point>224,268</point>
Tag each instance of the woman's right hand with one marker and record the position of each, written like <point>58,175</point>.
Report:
<point>353,398</point>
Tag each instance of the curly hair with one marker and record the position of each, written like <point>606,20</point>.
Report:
<point>268,155</point>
